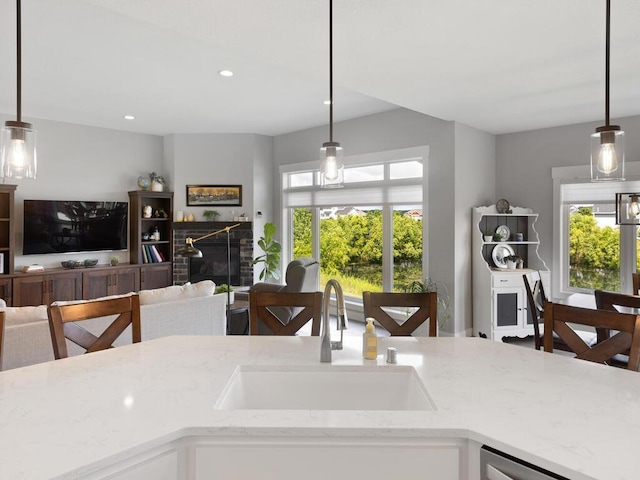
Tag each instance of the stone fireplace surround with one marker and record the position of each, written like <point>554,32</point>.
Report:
<point>243,233</point>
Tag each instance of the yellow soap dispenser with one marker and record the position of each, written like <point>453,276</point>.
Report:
<point>369,341</point>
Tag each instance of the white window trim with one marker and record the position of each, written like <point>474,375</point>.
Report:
<point>560,269</point>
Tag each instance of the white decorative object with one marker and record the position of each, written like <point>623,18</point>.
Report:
<point>179,216</point>
<point>156,187</point>
<point>146,211</point>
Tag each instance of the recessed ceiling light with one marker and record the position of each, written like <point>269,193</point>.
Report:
<point>129,117</point>
<point>226,73</point>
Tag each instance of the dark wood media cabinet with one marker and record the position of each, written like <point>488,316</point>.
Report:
<point>43,288</point>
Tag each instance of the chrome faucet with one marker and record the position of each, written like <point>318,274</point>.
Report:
<point>327,345</point>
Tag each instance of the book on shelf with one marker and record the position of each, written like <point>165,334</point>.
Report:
<point>155,254</point>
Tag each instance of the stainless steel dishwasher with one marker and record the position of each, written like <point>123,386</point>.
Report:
<point>497,465</point>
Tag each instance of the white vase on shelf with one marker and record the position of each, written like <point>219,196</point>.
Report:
<point>156,187</point>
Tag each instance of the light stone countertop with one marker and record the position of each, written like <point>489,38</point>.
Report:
<point>69,417</point>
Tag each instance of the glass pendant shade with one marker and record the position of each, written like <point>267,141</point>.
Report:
<point>331,165</point>
<point>607,154</point>
<point>18,151</point>
<point>628,208</point>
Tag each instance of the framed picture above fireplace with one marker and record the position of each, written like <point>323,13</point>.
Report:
<point>214,195</point>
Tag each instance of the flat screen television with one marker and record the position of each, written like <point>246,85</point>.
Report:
<point>61,226</point>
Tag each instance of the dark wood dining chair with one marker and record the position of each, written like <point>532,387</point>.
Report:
<point>264,318</point>
<point>635,282</point>
<point>427,310</point>
<point>64,322</point>
<point>625,339</point>
<point>616,301</point>
<point>535,303</point>
<point>536,298</point>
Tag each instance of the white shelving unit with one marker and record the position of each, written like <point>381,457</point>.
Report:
<point>499,297</point>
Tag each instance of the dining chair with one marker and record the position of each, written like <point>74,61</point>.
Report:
<point>535,303</point>
<point>375,304</point>
<point>619,302</point>
<point>64,319</point>
<point>536,298</point>
<point>301,276</point>
<point>263,321</point>
<point>560,319</point>
<point>635,281</point>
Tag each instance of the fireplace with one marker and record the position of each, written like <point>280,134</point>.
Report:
<point>213,264</point>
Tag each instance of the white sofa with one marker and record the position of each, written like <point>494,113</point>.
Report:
<point>190,309</point>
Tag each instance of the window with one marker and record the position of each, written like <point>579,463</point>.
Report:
<point>594,247</point>
<point>367,235</point>
<point>590,251</point>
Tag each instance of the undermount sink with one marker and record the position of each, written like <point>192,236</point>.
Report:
<point>325,388</point>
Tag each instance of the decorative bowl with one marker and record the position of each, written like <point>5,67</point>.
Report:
<point>72,263</point>
<point>91,262</point>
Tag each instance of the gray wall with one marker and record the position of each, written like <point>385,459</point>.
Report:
<point>475,184</point>
<point>77,162</point>
<point>524,162</point>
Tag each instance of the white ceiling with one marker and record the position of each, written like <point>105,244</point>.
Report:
<point>498,65</point>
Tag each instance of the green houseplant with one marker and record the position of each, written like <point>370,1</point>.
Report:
<point>210,215</point>
<point>224,288</point>
<point>429,285</point>
<point>271,256</point>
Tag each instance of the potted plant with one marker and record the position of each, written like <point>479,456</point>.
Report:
<point>114,261</point>
<point>429,285</point>
<point>157,182</point>
<point>210,215</point>
<point>271,257</point>
<point>224,288</point>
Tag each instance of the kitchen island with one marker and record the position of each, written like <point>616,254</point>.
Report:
<point>148,411</point>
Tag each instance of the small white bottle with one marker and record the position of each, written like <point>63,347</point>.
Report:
<point>369,341</point>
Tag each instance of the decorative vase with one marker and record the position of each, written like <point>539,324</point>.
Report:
<point>143,182</point>
<point>511,264</point>
<point>156,187</point>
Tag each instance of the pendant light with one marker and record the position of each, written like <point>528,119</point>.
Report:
<point>18,138</point>
<point>331,153</point>
<point>628,208</point>
<point>607,143</point>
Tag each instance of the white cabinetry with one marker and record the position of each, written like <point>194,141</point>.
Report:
<point>499,297</point>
